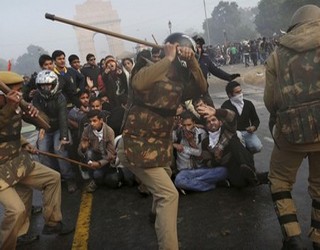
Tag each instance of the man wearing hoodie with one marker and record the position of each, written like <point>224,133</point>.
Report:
<point>292,97</point>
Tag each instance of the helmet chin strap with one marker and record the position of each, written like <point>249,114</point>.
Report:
<point>182,62</point>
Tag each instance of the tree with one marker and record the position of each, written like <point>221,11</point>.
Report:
<point>28,62</point>
<point>268,20</point>
<point>275,15</point>
<point>227,23</point>
<point>247,29</point>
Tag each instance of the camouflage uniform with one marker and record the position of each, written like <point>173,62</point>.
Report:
<point>18,175</point>
<point>292,97</point>
<point>147,137</point>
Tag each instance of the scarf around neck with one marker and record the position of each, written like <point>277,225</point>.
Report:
<point>238,102</point>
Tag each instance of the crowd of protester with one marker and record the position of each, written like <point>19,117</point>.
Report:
<point>248,52</point>
<point>91,100</point>
<point>150,122</point>
<point>87,105</point>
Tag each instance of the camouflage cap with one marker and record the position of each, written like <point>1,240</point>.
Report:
<point>10,78</point>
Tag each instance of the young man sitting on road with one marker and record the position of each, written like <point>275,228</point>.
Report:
<point>193,174</point>
<point>233,155</point>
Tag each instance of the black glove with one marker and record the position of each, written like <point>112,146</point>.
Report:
<point>234,76</point>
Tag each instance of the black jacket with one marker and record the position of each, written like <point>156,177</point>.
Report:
<point>92,72</point>
<point>56,109</point>
<point>249,116</point>
<point>207,66</point>
<point>78,78</point>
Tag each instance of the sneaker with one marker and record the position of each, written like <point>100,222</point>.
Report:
<point>27,239</point>
<point>84,173</point>
<point>143,191</point>
<point>263,177</point>
<point>224,183</point>
<point>59,229</point>
<point>36,210</point>
<point>293,243</point>
<point>249,174</point>
<point>316,246</point>
<point>71,186</point>
<point>91,186</point>
<point>182,191</point>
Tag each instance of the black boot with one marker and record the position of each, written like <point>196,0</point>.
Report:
<point>293,243</point>
<point>27,239</point>
<point>263,178</point>
<point>316,246</point>
<point>36,210</point>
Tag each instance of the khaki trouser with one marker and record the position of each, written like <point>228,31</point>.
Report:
<point>17,202</point>
<point>283,170</point>
<point>165,200</point>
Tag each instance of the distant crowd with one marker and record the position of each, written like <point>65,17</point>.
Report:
<point>249,52</point>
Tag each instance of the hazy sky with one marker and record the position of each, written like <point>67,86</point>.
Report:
<point>23,23</point>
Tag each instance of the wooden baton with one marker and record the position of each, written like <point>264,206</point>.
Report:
<point>63,158</point>
<point>102,31</point>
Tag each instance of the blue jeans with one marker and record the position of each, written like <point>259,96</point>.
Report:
<point>252,141</point>
<point>96,174</point>
<point>51,143</point>
<point>200,179</point>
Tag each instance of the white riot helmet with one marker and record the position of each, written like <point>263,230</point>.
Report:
<point>47,83</point>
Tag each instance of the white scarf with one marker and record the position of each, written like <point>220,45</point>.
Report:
<point>214,138</point>
<point>238,102</point>
<point>98,134</point>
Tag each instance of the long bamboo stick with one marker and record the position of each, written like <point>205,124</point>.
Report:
<point>102,31</point>
<point>63,158</point>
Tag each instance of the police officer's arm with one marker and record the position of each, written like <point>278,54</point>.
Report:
<point>145,78</point>
<point>199,79</point>
<point>271,79</point>
<point>214,70</point>
<point>269,91</point>
<point>8,106</point>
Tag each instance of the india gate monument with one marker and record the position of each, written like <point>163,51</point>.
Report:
<point>100,14</point>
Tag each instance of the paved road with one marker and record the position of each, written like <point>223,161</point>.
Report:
<point>220,219</point>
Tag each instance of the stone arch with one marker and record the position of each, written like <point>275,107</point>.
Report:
<point>99,14</point>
